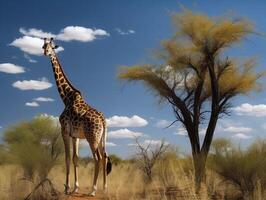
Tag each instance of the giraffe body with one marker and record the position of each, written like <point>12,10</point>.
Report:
<point>78,121</point>
<point>81,120</point>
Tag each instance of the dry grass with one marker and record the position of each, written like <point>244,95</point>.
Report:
<point>126,180</point>
<point>172,179</point>
<point>12,184</point>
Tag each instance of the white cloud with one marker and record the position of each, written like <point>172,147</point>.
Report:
<point>84,143</point>
<point>32,43</point>
<point>32,84</point>
<point>33,32</point>
<point>123,121</point>
<point>32,104</point>
<point>154,142</point>
<point>242,136</point>
<point>126,32</point>
<point>263,126</point>
<point>162,123</point>
<point>52,117</point>
<point>29,58</point>
<point>11,68</point>
<point>79,33</point>
<point>251,110</point>
<point>1,127</point>
<point>151,142</point>
<point>237,129</point>
<point>203,131</point>
<point>110,144</point>
<point>124,133</point>
<point>43,99</point>
<point>181,131</point>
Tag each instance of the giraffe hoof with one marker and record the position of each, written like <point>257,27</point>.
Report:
<point>92,194</point>
<point>66,191</point>
<point>75,191</point>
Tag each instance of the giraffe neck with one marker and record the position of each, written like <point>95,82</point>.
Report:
<point>65,88</point>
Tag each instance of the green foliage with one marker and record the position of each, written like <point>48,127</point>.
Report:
<point>35,145</point>
<point>116,160</point>
<point>85,160</point>
<point>245,169</point>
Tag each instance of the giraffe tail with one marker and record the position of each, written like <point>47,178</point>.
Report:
<point>109,162</point>
<point>109,165</point>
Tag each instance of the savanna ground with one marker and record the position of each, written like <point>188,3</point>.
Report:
<point>231,174</point>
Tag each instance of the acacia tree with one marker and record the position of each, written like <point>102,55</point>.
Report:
<point>37,147</point>
<point>196,78</point>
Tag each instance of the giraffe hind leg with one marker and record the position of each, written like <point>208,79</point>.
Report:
<point>66,139</point>
<point>75,142</point>
<point>96,173</point>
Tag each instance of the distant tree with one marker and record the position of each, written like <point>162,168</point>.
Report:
<point>85,160</point>
<point>115,159</point>
<point>221,146</point>
<point>36,146</point>
<point>147,155</point>
<point>196,78</point>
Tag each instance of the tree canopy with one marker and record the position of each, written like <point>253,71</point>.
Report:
<point>35,145</point>
<point>199,40</point>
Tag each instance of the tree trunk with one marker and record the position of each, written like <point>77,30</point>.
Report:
<point>199,161</point>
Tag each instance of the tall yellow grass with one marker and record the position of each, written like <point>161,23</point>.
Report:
<point>125,181</point>
<point>172,179</point>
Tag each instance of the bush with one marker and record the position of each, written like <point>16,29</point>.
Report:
<point>147,156</point>
<point>84,161</point>
<point>37,147</point>
<point>245,169</point>
<point>116,160</point>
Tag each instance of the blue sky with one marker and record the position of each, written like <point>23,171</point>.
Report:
<point>96,38</point>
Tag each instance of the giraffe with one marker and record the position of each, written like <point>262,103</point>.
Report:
<point>78,121</point>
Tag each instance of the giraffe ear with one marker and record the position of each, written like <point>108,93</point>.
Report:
<point>56,46</point>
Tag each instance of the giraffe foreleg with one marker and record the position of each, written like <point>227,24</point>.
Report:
<point>66,139</point>
<point>75,142</point>
<point>96,173</point>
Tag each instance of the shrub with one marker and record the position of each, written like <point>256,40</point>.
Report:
<point>244,168</point>
<point>116,160</point>
<point>36,146</point>
<point>148,153</point>
<point>84,161</point>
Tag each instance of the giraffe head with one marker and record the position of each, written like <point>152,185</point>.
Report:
<point>49,47</point>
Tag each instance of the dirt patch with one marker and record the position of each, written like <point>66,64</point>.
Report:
<point>82,195</point>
